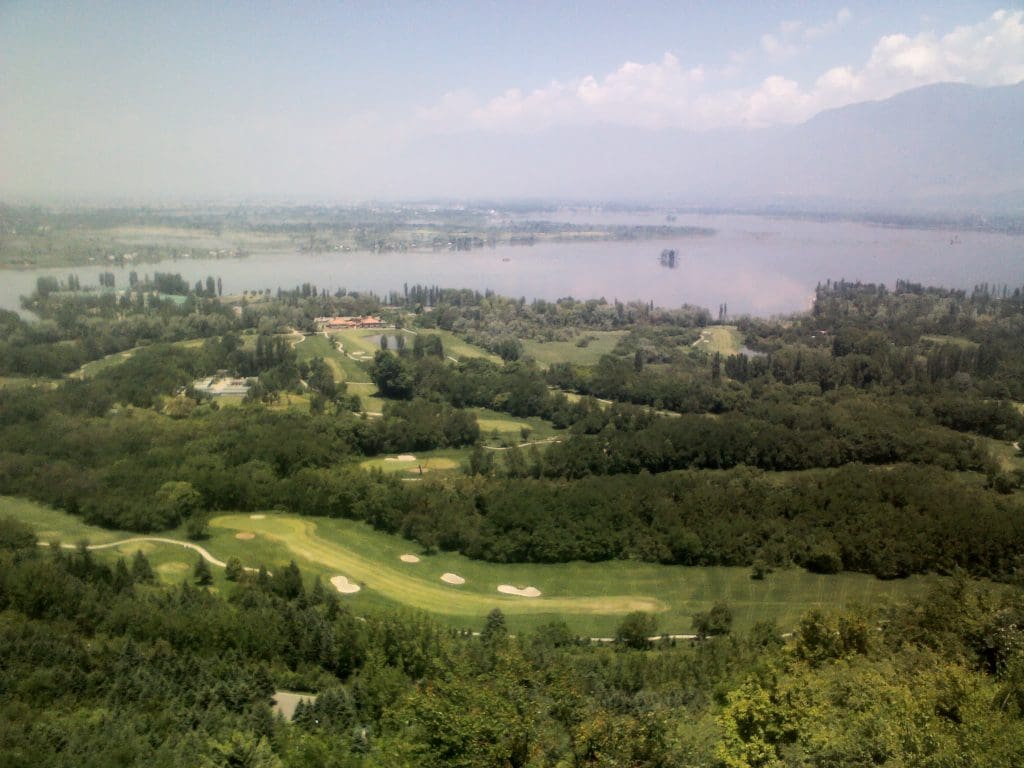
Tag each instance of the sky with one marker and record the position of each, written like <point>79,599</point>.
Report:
<point>158,101</point>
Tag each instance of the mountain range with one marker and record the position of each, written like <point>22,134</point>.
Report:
<point>939,147</point>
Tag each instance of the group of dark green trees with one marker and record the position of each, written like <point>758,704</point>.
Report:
<point>101,666</point>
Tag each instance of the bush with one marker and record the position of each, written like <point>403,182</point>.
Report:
<point>717,621</point>
<point>636,630</point>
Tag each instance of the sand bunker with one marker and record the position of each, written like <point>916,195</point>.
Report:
<point>508,589</point>
<point>245,536</point>
<point>452,578</point>
<point>343,585</point>
<point>257,517</point>
<point>409,558</point>
<point>401,457</point>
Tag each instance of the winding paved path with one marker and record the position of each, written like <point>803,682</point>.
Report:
<point>187,544</point>
<point>545,441</point>
<point>203,552</point>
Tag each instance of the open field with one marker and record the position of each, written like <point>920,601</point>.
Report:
<point>725,339</point>
<point>548,352</point>
<point>590,597</point>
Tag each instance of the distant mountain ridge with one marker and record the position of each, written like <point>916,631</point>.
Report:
<point>939,147</point>
<point>938,141</point>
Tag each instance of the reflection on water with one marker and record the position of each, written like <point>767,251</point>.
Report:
<point>756,265</point>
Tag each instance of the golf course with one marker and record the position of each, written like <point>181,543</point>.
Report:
<point>393,572</point>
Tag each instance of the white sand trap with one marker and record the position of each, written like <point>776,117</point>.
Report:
<point>257,517</point>
<point>508,589</point>
<point>245,535</point>
<point>406,457</point>
<point>409,558</point>
<point>343,585</point>
<point>452,578</point>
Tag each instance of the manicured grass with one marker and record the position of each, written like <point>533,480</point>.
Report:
<point>725,339</point>
<point>93,367</point>
<point>591,597</point>
<point>52,524</point>
<point>365,342</point>
<point>499,429</point>
<point>170,563</point>
<point>367,395</point>
<point>355,345</point>
<point>320,346</point>
<point>599,343</point>
<point>442,460</point>
<point>458,348</point>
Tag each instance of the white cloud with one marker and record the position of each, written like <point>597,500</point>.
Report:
<point>668,94</point>
<point>793,36</point>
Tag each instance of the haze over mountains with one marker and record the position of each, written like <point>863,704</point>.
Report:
<point>938,148</point>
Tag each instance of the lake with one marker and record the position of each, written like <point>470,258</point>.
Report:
<point>757,265</point>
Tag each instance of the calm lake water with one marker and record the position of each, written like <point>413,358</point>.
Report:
<point>756,265</point>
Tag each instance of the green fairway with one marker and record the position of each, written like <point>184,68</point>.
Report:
<point>170,563</point>
<point>320,346</point>
<point>420,463</point>
<point>363,343</point>
<point>454,347</point>
<point>345,369</point>
<point>367,395</point>
<point>590,597</point>
<point>52,524</point>
<point>958,341</point>
<point>93,367</point>
<point>725,339</point>
<point>500,429</point>
<point>598,343</point>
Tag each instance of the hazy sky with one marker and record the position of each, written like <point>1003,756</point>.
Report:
<point>165,100</point>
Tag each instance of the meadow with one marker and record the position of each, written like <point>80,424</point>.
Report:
<point>591,597</point>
